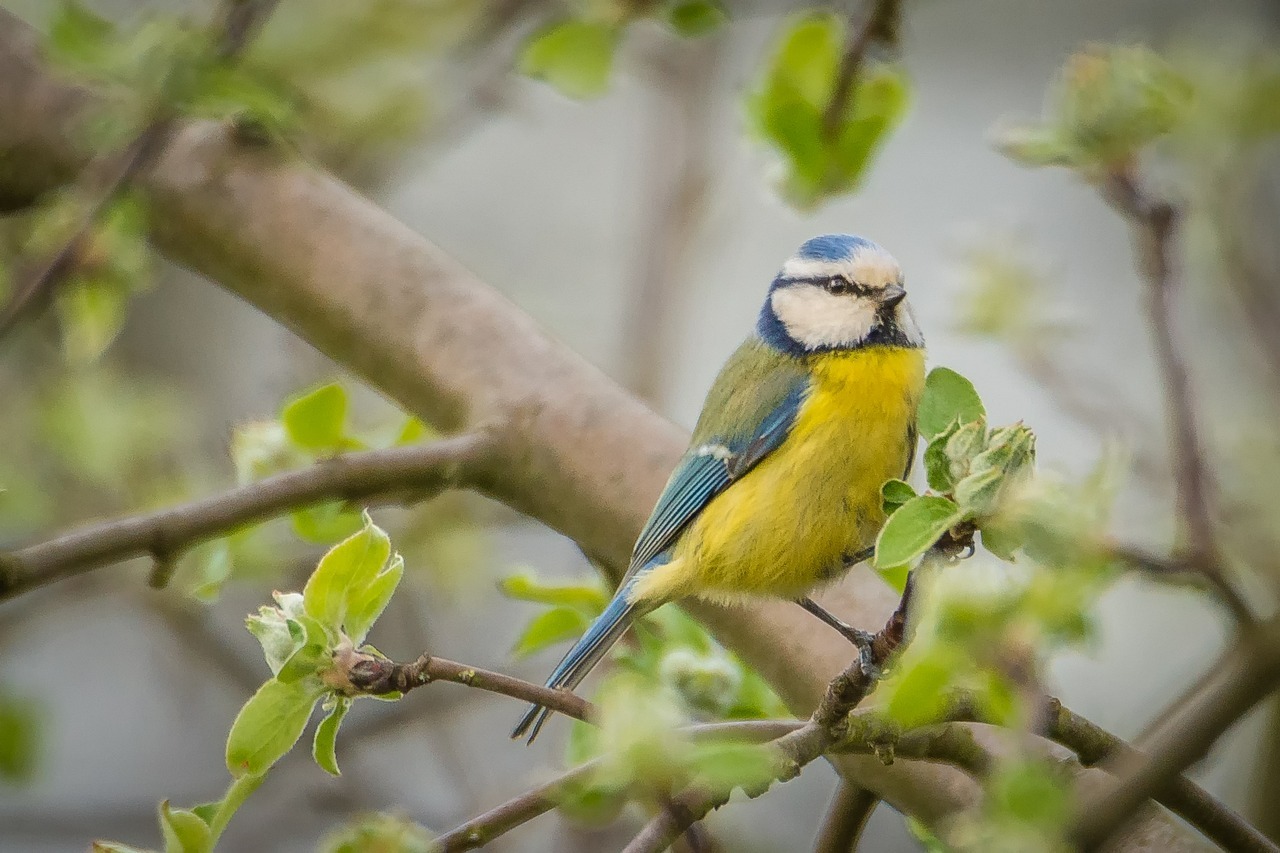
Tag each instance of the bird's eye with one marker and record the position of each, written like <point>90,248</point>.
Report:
<point>839,285</point>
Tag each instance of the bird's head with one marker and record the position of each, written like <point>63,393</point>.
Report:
<point>838,292</point>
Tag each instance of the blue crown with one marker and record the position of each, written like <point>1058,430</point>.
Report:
<point>833,247</point>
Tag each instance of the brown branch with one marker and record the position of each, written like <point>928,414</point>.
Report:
<point>1154,222</point>
<point>1094,745</point>
<point>357,672</point>
<point>409,473</point>
<point>241,18</point>
<point>847,817</point>
<point>1243,676</point>
<point>878,25</point>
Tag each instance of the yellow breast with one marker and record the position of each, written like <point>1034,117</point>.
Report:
<point>789,522</point>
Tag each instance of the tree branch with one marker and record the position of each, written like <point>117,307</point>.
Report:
<point>357,672</point>
<point>847,817</point>
<point>1243,676</point>
<point>879,24</point>
<point>1094,745</point>
<point>1154,222</point>
<point>415,472</point>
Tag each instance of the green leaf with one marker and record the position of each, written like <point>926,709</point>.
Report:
<point>269,724</point>
<point>724,765</point>
<point>366,604</point>
<point>413,431</point>
<point>977,493</point>
<point>693,18</point>
<point>184,831</point>
<point>1037,146</point>
<point>550,627</point>
<point>324,749</point>
<point>918,691</point>
<point>325,522</point>
<point>91,312</point>
<point>79,37</point>
<point>525,586</point>
<point>115,847</point>
<point>20,737</point>
<point>895,576</point>
<point>213,570</point>
<point>937,465</point>
<point>894,493</point>
<point>1030,792</point>
<point>1001,540</point>
<point>914,528</point>
<point>344,574</point>
<point>948,397</point>
<point>575,56</point>
<point>317,420</point>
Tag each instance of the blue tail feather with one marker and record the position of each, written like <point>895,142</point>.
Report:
<point>582,658</point>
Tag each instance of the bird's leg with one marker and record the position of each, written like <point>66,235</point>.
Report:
<point>862,640</point>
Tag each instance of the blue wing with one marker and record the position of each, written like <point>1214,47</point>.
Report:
<point>709,468</point>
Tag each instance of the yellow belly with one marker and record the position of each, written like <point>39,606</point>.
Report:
<point>788,523</point>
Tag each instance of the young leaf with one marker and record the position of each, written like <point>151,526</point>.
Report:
<point>344,573</point>
<point>324,747</point>
<point>894,493</point>
<point>326,522</point>
<point>550,627</point>
<point>575,56</point>
<point>914,528</point>
<point>269,724</point>
<point>317,420</point>
<point>184,831</point>
<point>80,38</point>
<point>115,847</point>
<point>525,586</point>
<point>727,765</point>
<point>20,736</point>
<point>895,576</point>
<point>917,693</point>
<point>366,604</point>
<point>948,397</point>
<point>1001,540</point>
<point>693,18</point>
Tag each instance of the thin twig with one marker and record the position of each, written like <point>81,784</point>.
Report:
<point>1154,222</point>
<point>409,473</point>
<point>362,673</point>
<point>880,24</point>
<point>847,817</point>
<point>1243,676</point>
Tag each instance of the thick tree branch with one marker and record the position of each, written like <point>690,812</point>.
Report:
<point>410,473</point>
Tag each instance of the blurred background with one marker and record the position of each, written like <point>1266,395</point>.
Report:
<point>641,228</point>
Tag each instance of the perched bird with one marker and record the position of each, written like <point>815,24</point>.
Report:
<point>779,490</point>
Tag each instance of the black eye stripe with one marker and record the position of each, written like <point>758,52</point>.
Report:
<point>839,285</point>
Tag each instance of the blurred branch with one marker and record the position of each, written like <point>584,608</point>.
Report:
<point>877,24</point>
<point>359,672</point>
<point>1093,745</point>
<point>407,473</point>
<point>676,174</point>
<point>795,749</point>
<point>1243,676</point>
<point>1154,222</point>
<point>240,20</point>
<point>847,817</point>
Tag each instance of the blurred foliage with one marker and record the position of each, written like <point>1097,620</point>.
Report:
<point>791,110</point>
<point>379,833</point>
<point>20,738</point>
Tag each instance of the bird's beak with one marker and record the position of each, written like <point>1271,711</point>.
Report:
<point>892,295</point>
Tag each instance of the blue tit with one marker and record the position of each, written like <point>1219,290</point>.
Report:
<point>779,490</point>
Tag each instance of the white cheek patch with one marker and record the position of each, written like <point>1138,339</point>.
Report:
<point>815,318</point>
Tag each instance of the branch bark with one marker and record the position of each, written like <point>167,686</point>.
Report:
<point>414,473</point>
